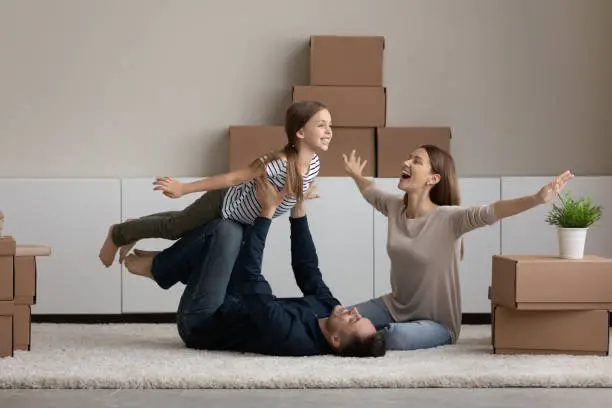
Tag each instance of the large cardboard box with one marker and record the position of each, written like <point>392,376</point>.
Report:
<point>543,282</point>
<point>7,252</point>
<point>575,332</point>
<point>25,280</point>
<point>25,272</point>
<point>18,270</point>
<point>15,327</point>
<point>344,140</point>
<point>6,335</point>
<point>6,328</point>
<point>355,106</point>
<point>22,327</point>
<point>337,60</point>
<point>246,143</point>
<point>6,277</point>
<point>394,145</point>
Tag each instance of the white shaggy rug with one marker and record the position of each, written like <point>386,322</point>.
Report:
<point>152,356</point>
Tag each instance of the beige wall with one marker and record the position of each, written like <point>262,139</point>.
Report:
<point>111,88</point>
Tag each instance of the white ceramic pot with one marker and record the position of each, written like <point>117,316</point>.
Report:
<point>572,242</point>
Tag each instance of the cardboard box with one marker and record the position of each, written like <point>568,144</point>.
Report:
<point>22,327</point>
<point>18,270</point>
<point>532,282</point>
<point>344,140</point>
<point>7,252</point>
<point>6,277</point>
<point>492,314</point>
<point>246,143</point>
<point>346,60</point>
<point>394,145</point>
<point>349,106</point>
<point>6,335</point>
<point>6,328</point>
<point>25,280</point>
<point>575,332</point>
<point>15,327</point>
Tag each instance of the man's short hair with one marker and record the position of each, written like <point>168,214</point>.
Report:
<point>371,346</point>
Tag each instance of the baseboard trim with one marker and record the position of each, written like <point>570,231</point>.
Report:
<point>468,318</point>
<point>476,318</point>
<point>105,318</point>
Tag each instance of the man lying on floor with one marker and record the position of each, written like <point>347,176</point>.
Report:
<point>225,310</point>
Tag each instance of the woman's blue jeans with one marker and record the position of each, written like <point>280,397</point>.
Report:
<point>411,335</point>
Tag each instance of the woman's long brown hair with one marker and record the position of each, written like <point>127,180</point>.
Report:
<point>446,191</point>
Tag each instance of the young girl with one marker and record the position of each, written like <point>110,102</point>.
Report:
<point>232,195</point>
<point>424,245</point>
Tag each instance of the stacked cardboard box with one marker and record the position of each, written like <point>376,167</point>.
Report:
<point>17,293</point>
<point>346,75</point>
<point>249,142</point>
<point>394,145</point>
<point>549,305</point>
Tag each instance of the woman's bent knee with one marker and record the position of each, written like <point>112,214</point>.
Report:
<point>419,334</point>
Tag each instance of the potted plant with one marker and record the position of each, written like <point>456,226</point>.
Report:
<point>573,219</point>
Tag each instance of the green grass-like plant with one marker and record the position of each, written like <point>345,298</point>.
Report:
<point>574,213</point>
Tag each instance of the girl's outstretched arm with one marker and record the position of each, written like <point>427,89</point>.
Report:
<point>174,189</point>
